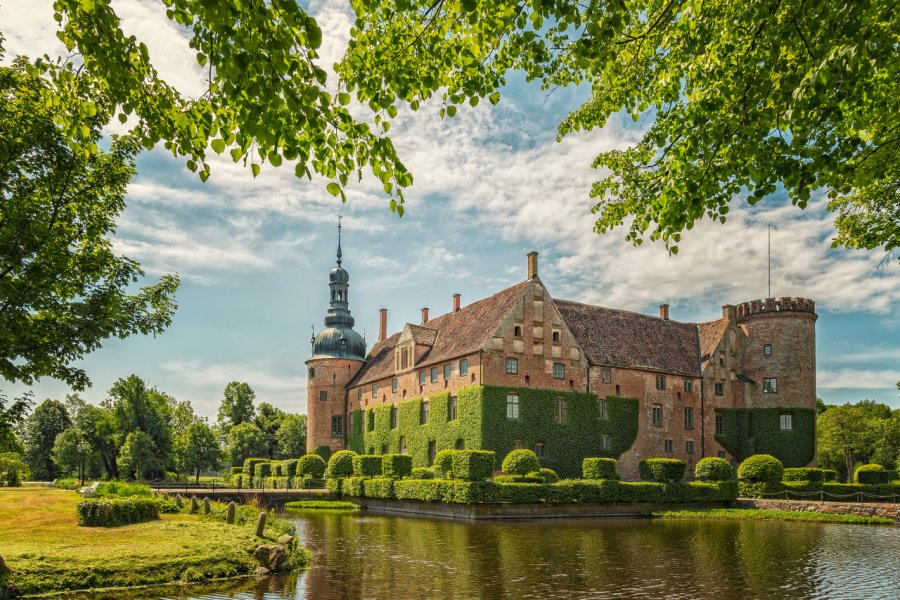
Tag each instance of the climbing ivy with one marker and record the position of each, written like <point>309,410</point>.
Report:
<point>355,438</point>
<point>750,431</point>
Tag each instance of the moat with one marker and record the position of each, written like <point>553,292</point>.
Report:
<point>360,555</point>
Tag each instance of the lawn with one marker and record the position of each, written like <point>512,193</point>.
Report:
<point>750,514</point>
<point>39,538</point>
<point>321,505</point>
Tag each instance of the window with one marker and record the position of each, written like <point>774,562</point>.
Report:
<point>323,395</point>
<point>720,454</point>
<point>517,331</point>
<point>394,385</point>
<point>618,392</point>
<point>512,366</point>
<point>539,449</point>
<point>393,417</point>
<point>404,358</point>
<point>722,359</point>
<point>767,349</point>
<point>668,448</point>
<point>720,424</point>
<point>689,446</point>
<point>604,441</point>
<point>688,417</point>
<point>559,371</point>
<point>312,372</point>
<point>689,385</point>
<point>451,409</point>
<point>720,389</point>
<point>423,414</point>
<point>432,450</point>
<point>337,425</point>
<point>602,409</point>
<point>434,374</point>
<point>421,378</point>
<point>448,371</point>
<point>657,415</point>
<point>518,445</point>
<point>359,394</point>
<point>374,389</point>
<point>770,386</point>
<point>402,444</point>
<point>371,419</point>
<point>562,409</point>
<point>460,444</point>
<point>556,336</point>
<point>787,421</point>
<point>605,376</point>
<point>660,382</point>
<point>512,406</point>
<point>464,367</point>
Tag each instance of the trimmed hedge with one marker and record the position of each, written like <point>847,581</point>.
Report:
<point>263,469</point>
<point>599,468</point>
<point>872,474</point>
<point>366,465</point>
<point>323,451</point>
<point>712,468</point>
<point>805,474</point>
<point>750,431</point>
<point>443,463</point>
<point>341,464</point>
<point>521,462</point>
<point>310,465</point>
<point>250,466</point>
<point>761,468</point>
<point>662,470</point>
<point>396,466</point>
<point>837,492</point>
<point>422,473</point>
<point>545,475</point>
<point>473,465</point>
<point>530,478</point>
<point>237,470</point>
<point>289,467</point>
<point>116,511</point>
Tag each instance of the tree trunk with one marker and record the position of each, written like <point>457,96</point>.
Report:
<point>197,481</point>
<point>849,455</point>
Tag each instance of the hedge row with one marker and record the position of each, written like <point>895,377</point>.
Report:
<point>113,512</point>
<point>837,491</point>
<point>278,483</point>
<point>809,474</point>
<point>307,465</point>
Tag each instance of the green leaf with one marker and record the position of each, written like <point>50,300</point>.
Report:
<point>333,188</point>
<point>255,168</point>
<point>218,146</point>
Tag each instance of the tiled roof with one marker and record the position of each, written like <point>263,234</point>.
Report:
<point>711,333</point>
<point>422,336</point>
<point>619,338</point>
<point>458,334</point>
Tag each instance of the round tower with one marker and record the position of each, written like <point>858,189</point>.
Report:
<point>338,352</point>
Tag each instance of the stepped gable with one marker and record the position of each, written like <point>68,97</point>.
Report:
<point>457,334</point>
<point>711,333</point>
<point>619,338</point>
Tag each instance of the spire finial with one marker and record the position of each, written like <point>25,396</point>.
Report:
<point>339,240</point>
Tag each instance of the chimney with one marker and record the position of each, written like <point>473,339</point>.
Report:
<point>532,264</point>
<point>382,329</point>
<point>664,311</point>
<point>456,298</point>
<point>728,311</point>
<point>424,314</point>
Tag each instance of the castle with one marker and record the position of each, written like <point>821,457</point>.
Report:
<point>521,369</point>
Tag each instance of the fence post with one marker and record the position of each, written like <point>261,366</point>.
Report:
<point>821,496</point>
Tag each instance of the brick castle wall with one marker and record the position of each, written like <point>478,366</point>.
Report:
<point>329,375</point>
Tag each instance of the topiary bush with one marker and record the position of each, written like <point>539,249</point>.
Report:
<point>804,474</point>
<point>829,475</point>
<point>546,475</point>
<point>289,467</point>
<point>422,473</point>
<point>366,465</point>
<point>250,466</point>
<point>396,466</point>
<point>599,468</point>
<point>761,468</point>
<point>473,465</point>
<point>871,474</point>
<point>262,469</point>
<point>712,468</point>
<point>116,511</point>
<point>341,464</point>
<point>310,465</point>
<point>324,452</point>
<point>521,462</point>
<point>443,464</point>
<point>534,477</point>
<point>237,470</point>
<point>662,470</point>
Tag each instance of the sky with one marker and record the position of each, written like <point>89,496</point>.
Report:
<point>491,184</point>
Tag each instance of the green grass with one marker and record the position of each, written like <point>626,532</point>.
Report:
<point>111,489</point>
<point>40,538</point>
<point>322,505</point>
<point>751,514</point>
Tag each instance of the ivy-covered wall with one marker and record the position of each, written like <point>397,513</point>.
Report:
<point>750,431</point>
<point>355,437</point>
<point>481,423</point>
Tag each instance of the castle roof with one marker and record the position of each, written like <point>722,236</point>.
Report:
<point>711,333</point>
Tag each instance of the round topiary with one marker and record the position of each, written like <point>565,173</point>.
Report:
<point>871,474</point>
<point>599,468</point>
<point>341,464</point>
<point>311,465</point>
<point>323,451</point>
<point>712,468</point>
<point>443,463</point>
<point>761,468</point>
<point>544,475</point>
<point>521,462</point>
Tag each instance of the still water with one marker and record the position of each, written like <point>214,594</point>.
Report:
<point>360,555</point>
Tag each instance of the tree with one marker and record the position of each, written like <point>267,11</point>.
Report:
<point>244,441</point>
<point>199,449</point>
<point>738,98</point>
<point>12,469</point>
<point>136,407</point>
<point>269,420</point>
<point>41,429</point>
<point>237,405</point>
<point>842,431</point>
<point>10,418</point>
<point>291,437</point>
<point>137,457</point>
<point>63,290</point>
<point>67,454</point>
<point>98,426</point>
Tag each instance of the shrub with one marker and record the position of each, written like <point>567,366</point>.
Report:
<point>712,468</point>
<point>422,473</point>
<point>310,465</point>
<point>276,469</point>
<point>263,469</point>
<point>521,462</point>
<point>761,468</point>
<point>250,466</point>
<point>310,482</point>
<point>396,466</point>
<point>366,465</point>
<point>382,487</point>
<point>69,483</point>
<point>289,467</point>
<point>118,511</point>
<point>443,463</point>
<point>872,473</point>
<point>12,469</point>
<point>473,465</point>
<point>119,489</point>
<point>237,470</point>
<point>530,478</point>
<point>662,470</point>
<point>829,475</point>
<point>341,463</point>
<point>324,452</point>
<point>335,485</point>
<point>544,475</point>
<point>599,468</point>
<point>804,474</point>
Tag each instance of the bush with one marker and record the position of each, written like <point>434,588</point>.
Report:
<point>544,475</point>
<point>829,475</point>
<point>712,468</point>
<point>382,487</point>
<point>237,470</point>
<point>662,470</point>
<point>521,462</point>
<point>324,452</point>
<point>341,464</point>
<point>12,469</point>
<point>366,465</point>
<point>310,482</point>
<point>289,467</point>
<point>335,485</point>
<point>804,474</point>
<point>310,465</point>
<point>396,466</point>
<point>599,468</point>
<point>250,466</point>
<point>443,463</point>
<point>118,489</point>
<point>761,468</point>
<point>473,465</point>
<point>872,474</point>
<point>422,473</point>
<point>276,469</point>
<point>530,478</point>
<point>114,512</point>
<point>69,483</point>
<point>262,469</point>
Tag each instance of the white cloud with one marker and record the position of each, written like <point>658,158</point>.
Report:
<point>857,378</point>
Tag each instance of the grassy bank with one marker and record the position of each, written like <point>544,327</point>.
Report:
<point>749,514</point>
<point>322,505</point>
<point>40,539</point>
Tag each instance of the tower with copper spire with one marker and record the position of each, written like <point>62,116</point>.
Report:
<point>338,352</point>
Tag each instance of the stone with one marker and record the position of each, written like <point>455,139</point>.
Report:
<point>273,557</point>
<point>229,513</point>
<point>261,572</point>
<point>260,524</point>
<point>206,507</point>
<point>179,501</point>
<point>286,540</point>
<point>194,504</point>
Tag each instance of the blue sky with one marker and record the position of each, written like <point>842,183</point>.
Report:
<point>490,185</point>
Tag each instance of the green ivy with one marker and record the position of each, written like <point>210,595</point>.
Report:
<point>750,431</point>
<point>355,439</point>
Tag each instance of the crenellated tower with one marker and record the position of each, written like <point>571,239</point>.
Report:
<point>338,352</point>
